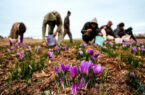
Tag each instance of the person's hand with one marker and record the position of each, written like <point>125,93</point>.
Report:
<point>89,30</point>
<point>44,44</point>
<point>100,34</point>
<point>55,34</point>
<point>126,35</point>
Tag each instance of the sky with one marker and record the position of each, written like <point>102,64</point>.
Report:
<point>32,12</point>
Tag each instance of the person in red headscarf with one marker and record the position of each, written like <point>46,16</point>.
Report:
<point>107,31</point>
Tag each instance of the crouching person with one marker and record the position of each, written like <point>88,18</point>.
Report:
<point>129,34</point>
<point>17,33</point>
<point>107,31</point>
<point>90,31</point>
<point>119,31</point>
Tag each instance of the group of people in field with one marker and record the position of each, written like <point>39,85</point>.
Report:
<point>89,31</point>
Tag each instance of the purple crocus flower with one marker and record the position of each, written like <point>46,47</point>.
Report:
<point>97,69</point>
<point>90,64</point>
<point>81,53</point>
<point>63,48</point>
<point>134,49</point>
<point>85,66</point>
<point>83,44</point>
<point>90,51</point>
<point>62,80</point>
<point>143,50</point>
<point>96,55</point>
<point>116,46</point>
<point>21,54</point>
<point>133,42</point>
<point>93,57</point>
<point>73,71</point>
<point>75,88</point>
<point>30,67</point>
<point>104,48</point>
<point>132,74</point>
<point>56,49</point>
<point>51,50</point>
<point>60,68</point>
<point>12,48</point>
<point>55,69</point>
<point>142,47</point>
<point>29,48</point>
<point>37,49</point>
<point>82,82</point>
<point>8,50</point>
<point>65,67</point>
<point>50,54</point>
<point>111,44</point>
<point>123,45</point>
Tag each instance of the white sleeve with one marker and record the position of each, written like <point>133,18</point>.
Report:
<point>104,34</point>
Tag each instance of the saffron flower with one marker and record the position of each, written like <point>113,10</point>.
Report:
<point>134,49</point>
<point>73,71</point>
<point>96,55</point>
<point>93,57</point>
<point>21,54</point>
<point>81,53</point>
<point>51,50</point>
<point>50,54</point>
<point>97,69</point>
<point>65,68</point>
<point>62,80</point>
<point>104,48</point>
<point>12,48</point>
<point>75,88</point>
<point>8,50</point>
<point>111,44</point>
<point>55,69</point>
<point>56,49</point>
<point>37,49</point>
<point>132,74</point>
<point>85,66</point>
<point>29,48</point>
<point>63,48</point>
<point>82,82</point>
<point>83,44</point>
<point>90,51</point>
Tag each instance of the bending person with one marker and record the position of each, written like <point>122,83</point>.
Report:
<point>51,19</point>
<point>90,30</point>
<point>17,33</point>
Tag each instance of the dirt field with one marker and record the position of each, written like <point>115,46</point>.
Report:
<point>42,81</point>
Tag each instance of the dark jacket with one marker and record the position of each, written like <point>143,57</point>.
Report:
<point>118,32</point>
<point>94,32</point>
<point>129,32</point>
<point>66,22</point>
<point>108,30</point>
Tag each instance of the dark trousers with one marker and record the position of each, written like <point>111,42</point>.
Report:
<point>67,31</point>
<point>87,37</point>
